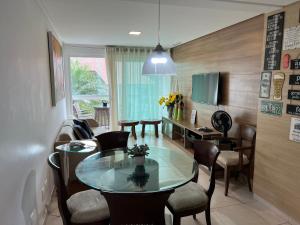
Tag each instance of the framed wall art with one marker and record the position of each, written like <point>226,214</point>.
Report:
<point>265,84</point>
<point>56,69</point>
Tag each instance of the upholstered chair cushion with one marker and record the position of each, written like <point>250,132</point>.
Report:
<point>231,158</point>
<point>87,207</point>
<point>188,197</point>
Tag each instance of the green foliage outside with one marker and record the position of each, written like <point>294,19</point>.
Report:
<point>87,82</point>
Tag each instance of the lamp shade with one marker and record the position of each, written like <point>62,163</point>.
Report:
<point>159,63</point>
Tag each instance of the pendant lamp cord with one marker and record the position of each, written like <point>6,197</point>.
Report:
<point>158,33</point>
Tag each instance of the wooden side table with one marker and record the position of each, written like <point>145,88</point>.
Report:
<point>150,122</point>
<point>129,123</point>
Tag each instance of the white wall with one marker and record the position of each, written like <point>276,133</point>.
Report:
<point>28,123</point>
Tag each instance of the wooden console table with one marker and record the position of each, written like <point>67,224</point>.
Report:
<point>183,132</point>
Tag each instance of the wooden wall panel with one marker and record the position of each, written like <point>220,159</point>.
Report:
<point>277,160</point>
<point>236,52</point>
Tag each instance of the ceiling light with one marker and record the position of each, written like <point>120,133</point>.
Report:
<point>159,62</point>
<point>135,33</point>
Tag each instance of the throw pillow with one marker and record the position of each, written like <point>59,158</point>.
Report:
<point>80,133</point>
<point>85,126</point>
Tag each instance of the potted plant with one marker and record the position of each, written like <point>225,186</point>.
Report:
<point>104,103</point>
<point>139,153</point>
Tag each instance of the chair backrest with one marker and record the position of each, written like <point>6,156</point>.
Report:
<point>113,139</point>
<point>247,139</point>
<point>62,195</point>
<point>206,153</point>
<point>247,135</point>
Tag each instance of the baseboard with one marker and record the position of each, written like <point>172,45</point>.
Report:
<point>43,216</point>
<point>278,211</point>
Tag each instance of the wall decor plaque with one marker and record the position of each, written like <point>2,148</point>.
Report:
<point>293,109</point>
<point>265,84</point>
<point>295,64</point>
<point>294,94</point>
<point>274,37</point>
<point>294,79</point>
<point>278,81</point>
<point>271,107</point>
<point>291,38</point>
<point>295,130</point>
<point>286,61</point>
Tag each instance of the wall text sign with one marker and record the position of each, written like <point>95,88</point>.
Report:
<point>271,107</point>
<point>295,64</point>
<point>293,110</point>
<point>294,79</point>
<point>274,37</point>
<point>294,94</point>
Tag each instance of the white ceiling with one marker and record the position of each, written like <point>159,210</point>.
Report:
<point>107,22</point>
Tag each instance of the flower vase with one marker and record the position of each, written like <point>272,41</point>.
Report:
<point>180,114</point>
<point>175,112</point>
<point>170,111</point>
<point>139,160</point>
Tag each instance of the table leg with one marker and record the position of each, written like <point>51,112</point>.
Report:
<point>143,130</point>
<point>133,131</point>
<point>156,130</point>
<point>137,208</point>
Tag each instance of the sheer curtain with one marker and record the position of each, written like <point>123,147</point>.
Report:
<point>133,96</point>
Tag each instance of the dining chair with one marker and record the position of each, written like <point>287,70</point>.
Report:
<point>241,159</point>
<point>84,208</point>
<point>125,208</point>
<point>113,139</point>
<point>192,198</point>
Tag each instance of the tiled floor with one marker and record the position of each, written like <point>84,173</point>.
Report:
<point>239,208</point>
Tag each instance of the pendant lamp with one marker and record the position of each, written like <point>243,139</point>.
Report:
<point>159,62</point>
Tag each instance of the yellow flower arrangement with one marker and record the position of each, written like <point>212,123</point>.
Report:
<point>170,100</point>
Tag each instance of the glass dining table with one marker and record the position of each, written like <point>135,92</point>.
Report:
<point>137,189</point>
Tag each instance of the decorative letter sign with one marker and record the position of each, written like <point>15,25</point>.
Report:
<point>293,109</point>
<point>295,129</point>
<point>271,107</point>
<point>278,80</point>
<point>274,38</point>
<point>295,64</point>
<point>294,94</point>
<point>294,79</point>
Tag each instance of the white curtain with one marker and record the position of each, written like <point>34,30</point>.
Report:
<point>133,96</point>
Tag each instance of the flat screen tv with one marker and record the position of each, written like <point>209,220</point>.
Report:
<point>205,88</point>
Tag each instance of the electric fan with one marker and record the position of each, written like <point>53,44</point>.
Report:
<point>222,122</point>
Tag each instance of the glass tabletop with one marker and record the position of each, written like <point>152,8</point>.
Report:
<point>82,146</point>
<point>162,169</point>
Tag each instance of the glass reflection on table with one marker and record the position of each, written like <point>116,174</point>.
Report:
<point>115,171</point>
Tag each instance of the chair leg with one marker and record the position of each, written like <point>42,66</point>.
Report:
<point>194,217</point>
<point>176,220</point>
<point>133,132</point>
<point>207,215</point>
<point>227,178</point>
<point>143,130</point>
<point>156,130</point>
<point>249,180</point>
<point>122,128</point>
